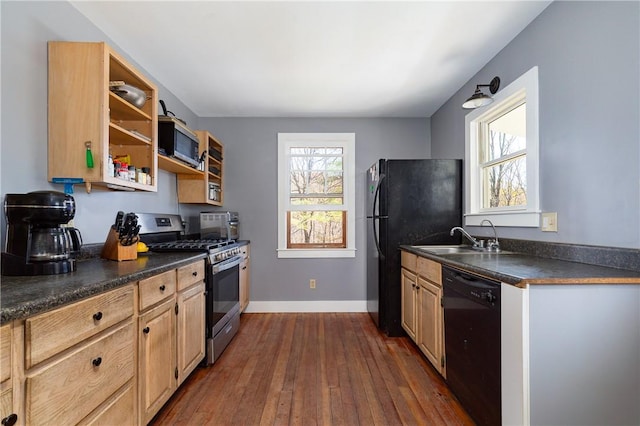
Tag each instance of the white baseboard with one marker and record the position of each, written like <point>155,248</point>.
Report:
<point>263,306</point>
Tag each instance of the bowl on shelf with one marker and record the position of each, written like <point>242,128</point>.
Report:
<point>131,94</point>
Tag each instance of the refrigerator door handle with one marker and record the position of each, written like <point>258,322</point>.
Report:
<point>373,215</point>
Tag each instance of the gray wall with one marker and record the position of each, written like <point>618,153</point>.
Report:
<point>26,28</point>
<point>588,54</point>
<point>250,146</point>
<point>250,158</point>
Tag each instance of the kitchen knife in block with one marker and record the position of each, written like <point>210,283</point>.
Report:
<point>113,250</point>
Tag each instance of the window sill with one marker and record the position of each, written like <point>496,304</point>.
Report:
<point>313,253</point>
<point>515,219</point>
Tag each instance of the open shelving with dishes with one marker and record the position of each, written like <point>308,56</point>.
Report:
<point>88,122</point>
<point>206,189</point>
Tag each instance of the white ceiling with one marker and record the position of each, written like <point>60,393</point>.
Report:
<point>312,59</point>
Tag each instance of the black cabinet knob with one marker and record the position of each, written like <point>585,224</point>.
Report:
<point>145,330</point>
<point>10,420</point>
<point>97,316</point>
<point>96,362</point>
<point>162,287</point>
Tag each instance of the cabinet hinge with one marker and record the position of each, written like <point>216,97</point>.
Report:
<point>176,308</point>
<point>442,361</point>
<point>442,301</point>
<point>175,373</point>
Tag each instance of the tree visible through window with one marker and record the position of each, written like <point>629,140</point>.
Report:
<point>316,195</point>
<point>317,217</point>
<point>504,166</point>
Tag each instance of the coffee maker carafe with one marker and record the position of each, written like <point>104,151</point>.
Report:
<point>37,244</point>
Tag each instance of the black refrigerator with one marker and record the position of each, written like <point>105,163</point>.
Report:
<point>411,202</point>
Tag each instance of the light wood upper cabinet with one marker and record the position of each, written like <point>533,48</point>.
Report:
<point>207,189</point>
<point>82,109</point>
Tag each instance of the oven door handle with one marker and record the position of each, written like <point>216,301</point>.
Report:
<point>228,264</point>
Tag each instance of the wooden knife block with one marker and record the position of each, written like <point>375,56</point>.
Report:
<point>113,250</point>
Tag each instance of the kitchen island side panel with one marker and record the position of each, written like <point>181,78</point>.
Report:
<point>585,354</point>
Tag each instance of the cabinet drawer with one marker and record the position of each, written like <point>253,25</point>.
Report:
<point>430,270</point>
<point>49,333</point>
<point>69,389</point>
<point>408,260</point>
<point>190,274</point>
<point>119,411</point>
<point>6,403</point>
<point>5,352</point>
<point>156,289</point>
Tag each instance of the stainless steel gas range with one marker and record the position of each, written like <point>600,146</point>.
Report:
<point>165,232</point>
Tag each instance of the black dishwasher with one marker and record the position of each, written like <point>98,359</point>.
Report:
<point>472,343</point>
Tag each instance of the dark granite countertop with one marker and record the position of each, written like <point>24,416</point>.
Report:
<point>522,269</point>
<point>21,297</point>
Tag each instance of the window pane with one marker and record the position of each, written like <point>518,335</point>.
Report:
<point>302,201</point>
<point>505,184</point>
<point>507,134</point>
<point>313,182</point>
<point>316,229</point>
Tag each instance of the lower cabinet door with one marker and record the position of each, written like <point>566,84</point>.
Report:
<point>191,332</point>
<point>409,289</point>
<point>7,415</point>
<point>430,322</point>
<point>156,359</point>
<point>67,390</point>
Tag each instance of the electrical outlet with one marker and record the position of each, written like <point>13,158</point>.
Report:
<point>549,222</point>
<point>312,283</point>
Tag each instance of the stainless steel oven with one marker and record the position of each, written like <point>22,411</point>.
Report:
<point>164,232</point>
<point>223,295</point>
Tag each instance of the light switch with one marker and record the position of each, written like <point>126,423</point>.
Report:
<point>549,222</point>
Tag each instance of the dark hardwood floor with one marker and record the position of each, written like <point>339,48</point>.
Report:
<point>327,369</point>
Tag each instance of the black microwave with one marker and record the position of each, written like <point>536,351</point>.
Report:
<point>178,141</point>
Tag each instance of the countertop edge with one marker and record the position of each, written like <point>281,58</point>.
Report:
<point>65,294</point>
<point>521,282</point>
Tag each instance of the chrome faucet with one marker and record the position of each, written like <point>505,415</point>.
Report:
<point>492,244</point>
<point>476,243</point>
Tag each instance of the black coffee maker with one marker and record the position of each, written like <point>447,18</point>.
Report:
<point>37,244</point>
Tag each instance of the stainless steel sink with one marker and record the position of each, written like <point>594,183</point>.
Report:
<point>456,249</point>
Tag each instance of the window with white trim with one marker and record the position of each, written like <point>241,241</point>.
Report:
<point>316,195</point>
<point>502,160</point>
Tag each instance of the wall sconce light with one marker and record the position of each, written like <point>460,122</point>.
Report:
<point>479,99</point>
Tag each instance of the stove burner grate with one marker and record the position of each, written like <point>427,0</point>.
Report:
<point>189,245</point>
